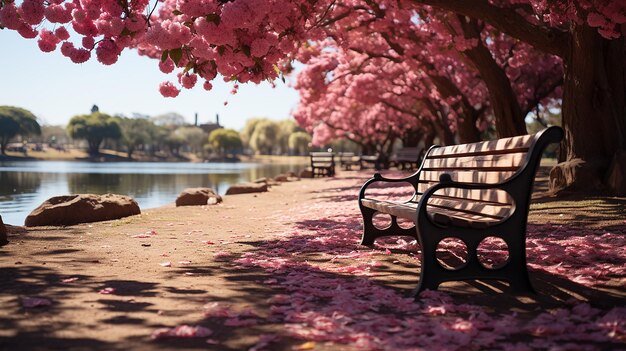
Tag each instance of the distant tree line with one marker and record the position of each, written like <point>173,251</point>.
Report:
<point>163,135</point>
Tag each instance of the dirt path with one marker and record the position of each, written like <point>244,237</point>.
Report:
<point>111,287</point>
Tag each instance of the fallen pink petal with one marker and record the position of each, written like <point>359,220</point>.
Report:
<point>182,331</point>
<point>32,302</point>
<point>107,291</point>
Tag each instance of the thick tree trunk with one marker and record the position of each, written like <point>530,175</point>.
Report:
<point>594,113</point>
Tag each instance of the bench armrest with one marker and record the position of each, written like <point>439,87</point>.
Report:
<point>412,179</point>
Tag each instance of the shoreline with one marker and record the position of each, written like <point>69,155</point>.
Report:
<point>112,157</point>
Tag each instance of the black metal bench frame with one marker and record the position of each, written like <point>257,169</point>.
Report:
<point>429,234</point>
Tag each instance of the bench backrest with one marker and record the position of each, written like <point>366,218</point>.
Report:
<point>408,154</point>
<point>487,162</point>
<point>322,159</point>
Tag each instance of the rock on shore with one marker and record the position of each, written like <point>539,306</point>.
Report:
<point>82,208</point>
<point>246,188</point>
<point>3,233</point>
<point>198,197</point>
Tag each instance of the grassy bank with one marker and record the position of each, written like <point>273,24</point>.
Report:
<point>115,156</point>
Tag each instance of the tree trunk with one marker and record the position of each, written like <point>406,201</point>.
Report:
<point>506,109</point>
<point>466,127</point>
<point>466,120</point>
<point>594,112</point>
<point>412,137</point>
<point>93,146</point>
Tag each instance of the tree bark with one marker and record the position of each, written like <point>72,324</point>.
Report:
<point>506,109</point>
<point>594,111</point>
<point>466,123</point>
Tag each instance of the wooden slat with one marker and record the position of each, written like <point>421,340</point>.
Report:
<point>399,210</point>
<point>444,217</point>
<point>486,147</point>
<point>471,207</point>
<point>482,176</point>
<point>490,195</point>
<point>481,153</point>
<point>506,162</point>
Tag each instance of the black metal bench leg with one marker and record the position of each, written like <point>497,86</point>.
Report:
<point>519,277</point>
<point>369,230</point>
<point>371,233</point>
<point>429,267</point>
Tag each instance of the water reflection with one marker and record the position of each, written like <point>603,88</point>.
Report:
<point>12,183</point>
<point>25,185</point>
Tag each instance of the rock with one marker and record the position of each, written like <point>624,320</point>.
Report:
<point>269,181</point>
<point>306,173</point>
<point>198,197</point>
<point>281,178</point>
<point>246,188</point>
<point>3,233</point>
<point>82,208</point>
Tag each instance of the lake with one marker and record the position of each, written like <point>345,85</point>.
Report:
<point>24,185</point>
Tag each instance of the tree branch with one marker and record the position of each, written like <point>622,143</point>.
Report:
<point>509,21</point>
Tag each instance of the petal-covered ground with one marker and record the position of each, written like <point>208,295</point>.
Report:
<point>284,271</point>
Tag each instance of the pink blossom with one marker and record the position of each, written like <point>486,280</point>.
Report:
<point>107,291</point>
<point>168,89</point>
<point>32,11</point>
<point>182,331</point>
<point>47,41</point>
<point>188,80</point>
<point>88,42</point>
<point>107,52</point>
<point>62,33</point>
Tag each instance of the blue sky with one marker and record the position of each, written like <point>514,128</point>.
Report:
<point>55,89</point>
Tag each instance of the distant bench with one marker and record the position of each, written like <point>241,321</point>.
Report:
<point>322,163</point>
<point>469,192</point>
<point>371,160</point>
<point>407,157</point>
<point>348,159</point>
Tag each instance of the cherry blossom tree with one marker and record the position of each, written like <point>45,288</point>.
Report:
<point>588,36</point>
<point>253,40</point>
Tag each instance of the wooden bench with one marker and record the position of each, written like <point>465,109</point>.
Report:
<point>348,159</point>
<point>470,192</point>
<point>407,157</point>
<point>322,163</point>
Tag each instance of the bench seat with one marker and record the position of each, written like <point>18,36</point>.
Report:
<point>439,215</point>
